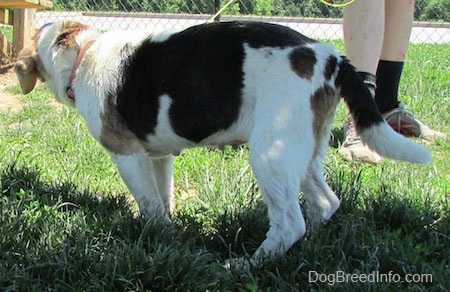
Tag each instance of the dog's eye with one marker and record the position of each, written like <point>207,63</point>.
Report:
<point>61,39</point>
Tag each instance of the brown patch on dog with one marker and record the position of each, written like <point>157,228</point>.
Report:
<point>115,135</point>
<point>323,104</point>
<point>66,38</point>
<point>302,62</point>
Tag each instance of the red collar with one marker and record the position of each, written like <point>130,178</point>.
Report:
<point>69,89</point>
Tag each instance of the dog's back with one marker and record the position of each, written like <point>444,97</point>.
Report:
<point>217,74</point>
<point>203,71</point>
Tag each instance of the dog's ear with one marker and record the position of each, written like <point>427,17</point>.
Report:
<point>26,69</point>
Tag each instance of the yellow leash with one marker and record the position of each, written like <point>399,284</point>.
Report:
<point>326,2</point>
<point>220,11</point>
<point>337,5</point>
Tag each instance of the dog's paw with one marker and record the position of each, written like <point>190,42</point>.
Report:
<point>165,219</point>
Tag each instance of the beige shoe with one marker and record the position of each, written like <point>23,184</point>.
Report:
<point>353,149</point>
<point>405,123</point>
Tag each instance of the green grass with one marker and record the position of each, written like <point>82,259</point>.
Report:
<point>67,221</point>
<point>7,31</point>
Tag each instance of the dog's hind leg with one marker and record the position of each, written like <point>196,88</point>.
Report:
<point>163,170</point>
<point>139,176</point>
<point>279,162</point>
<point>322,201</point>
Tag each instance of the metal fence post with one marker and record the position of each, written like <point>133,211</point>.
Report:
<point>216,9</point>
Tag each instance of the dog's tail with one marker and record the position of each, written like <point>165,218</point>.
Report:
<point>370,125</point>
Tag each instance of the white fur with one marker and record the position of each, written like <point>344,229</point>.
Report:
<point>388,143</point>
<point>269,120</point>
<point>149,182</point>
<point>59,63</point>
<point>276,119</point>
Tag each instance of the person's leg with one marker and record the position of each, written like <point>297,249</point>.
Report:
<point>363,40</point>
<point>363,37</point>
<point>363,33</point>
<point>399,15</point>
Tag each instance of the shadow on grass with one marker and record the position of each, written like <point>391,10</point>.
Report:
<point>23,191</point>
<point>233,233</point>
<point>23,184</point>
<point>57,237</point>
<point>54,231</point>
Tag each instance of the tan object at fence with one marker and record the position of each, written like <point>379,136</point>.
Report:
<point>20,4</point>
<point>23,21</point>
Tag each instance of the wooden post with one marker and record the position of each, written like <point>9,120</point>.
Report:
<point>3,46</point>
<point>3,40</point>
<point>24,27</point>
<point>4,16</point>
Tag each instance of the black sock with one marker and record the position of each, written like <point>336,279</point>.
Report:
<point>388,80</point>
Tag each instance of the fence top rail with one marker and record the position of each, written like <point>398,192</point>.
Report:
<point>317,28</point>
<point>240,17</point>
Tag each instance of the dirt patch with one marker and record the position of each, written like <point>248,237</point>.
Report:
<point>8,100</point>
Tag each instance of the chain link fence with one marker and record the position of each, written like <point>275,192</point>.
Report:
<point>311,17</point>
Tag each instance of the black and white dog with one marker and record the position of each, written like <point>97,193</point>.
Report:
<point>147,95</point>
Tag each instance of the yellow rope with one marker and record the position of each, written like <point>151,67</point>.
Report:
<point>337,5</point>
<point>323,1</point>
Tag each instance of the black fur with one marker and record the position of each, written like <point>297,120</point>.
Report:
<point>200,68</point>
<point>330,67</point>
<point>357,96</point>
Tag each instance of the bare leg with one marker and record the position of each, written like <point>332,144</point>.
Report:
<point>397,29</point>
<point>363,33</point>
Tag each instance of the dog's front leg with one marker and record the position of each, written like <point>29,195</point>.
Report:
<point>138,174</point>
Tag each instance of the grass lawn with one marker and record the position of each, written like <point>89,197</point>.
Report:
<point>67,222</point>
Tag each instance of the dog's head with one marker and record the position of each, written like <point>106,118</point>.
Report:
<point>50,57</point>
